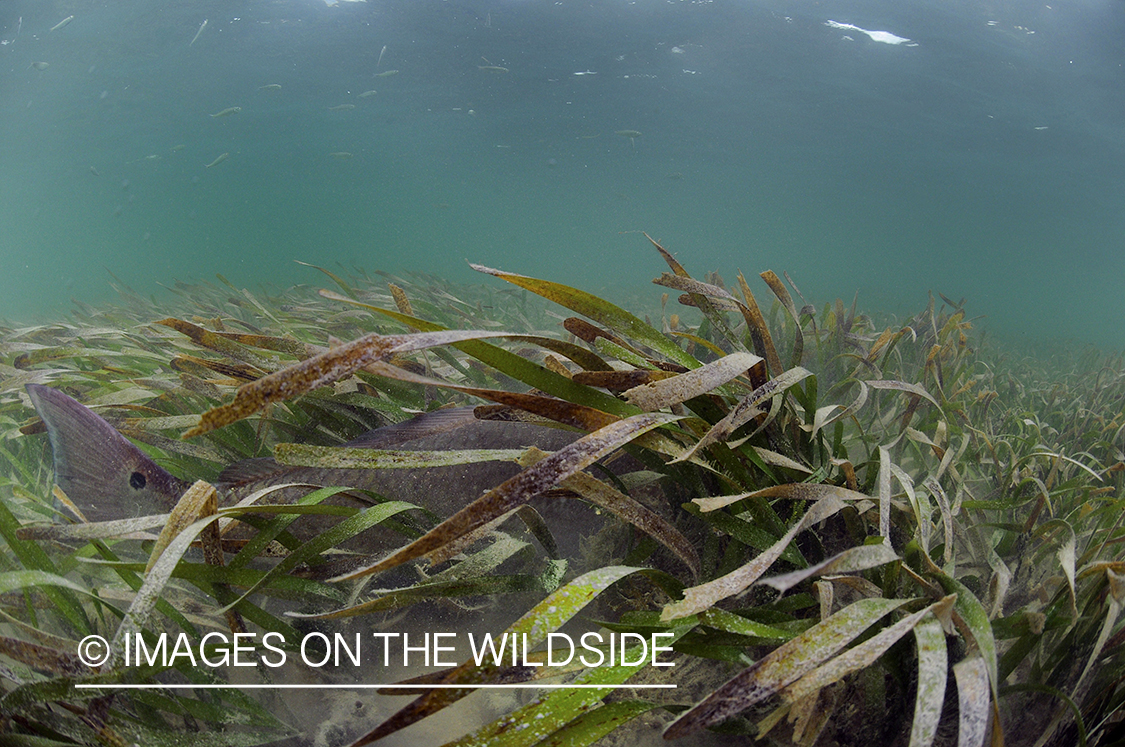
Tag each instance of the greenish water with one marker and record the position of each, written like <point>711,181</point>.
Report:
<point>982,158</point>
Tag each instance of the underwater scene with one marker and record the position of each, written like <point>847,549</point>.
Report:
<point>537,372</point>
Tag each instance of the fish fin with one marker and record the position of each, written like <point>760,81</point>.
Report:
<point>104,474</point>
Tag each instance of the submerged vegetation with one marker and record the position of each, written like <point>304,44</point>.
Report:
<point>851,533</point>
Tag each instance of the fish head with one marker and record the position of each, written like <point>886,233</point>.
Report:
<point>98,468</point>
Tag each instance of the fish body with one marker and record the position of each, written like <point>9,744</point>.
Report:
<point>62,23</point>
<point>222,157</point>
<point>197,33</point>
<point>227,112</point>
<point>109,478</point>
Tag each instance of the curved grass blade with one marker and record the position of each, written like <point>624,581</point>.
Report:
<point>808,491</point>
<point>603,312</point>
<point>758,329</point>
<point>863,655</point>
<point>519,489</point>
<point>344,457</point>
<point>338,280</point>
<point>932,675</point>
<point>326,368</point>
<point>578,416</point>
<point>972,620</point>
<point>545,716</point>
<point>120,528</point>
<point>746,409</point>
<point>902,386</point>
<point>33,558</point>
<point>198,501</point>
<point>720,619</point>
<point>16,580</point>
<point>511,364</point>
<point>1065,554</point>
<point>850,560</point>
<point>783,666</point>
<point>328,539</point>
<point>782,293</point>
<point>974,700</point>
<point>627,509</point>
<point>549,615</point>
<point>703,296</point>
<point>593,725</point>
<point>149,593</point>
<point>206,338</point>
<point>699,598</point>
<point>221,344</point>
<point>658,394</point>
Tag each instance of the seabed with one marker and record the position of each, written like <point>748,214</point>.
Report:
<point>847,531</point>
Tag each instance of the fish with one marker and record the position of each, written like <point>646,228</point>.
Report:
<point>228,111</point>
<point>386,73</point>
<point>631,134</point>
<point>222,157</point>
<point>197,33</point>
<point>341,107</point>
<point>382,52</point>
<point>341,155</point>
<point>110,478</point>
<point>62,23</point>
<point>365,94</point>
<point>492,68</point>
<point>270,87</point>
<point>884,37</point>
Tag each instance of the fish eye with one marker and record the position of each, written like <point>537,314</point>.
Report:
<point>137,481</point>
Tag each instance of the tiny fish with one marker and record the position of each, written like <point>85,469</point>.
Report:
<point>218,160</point>
<point>631,134</point>
<point>386,73</point>
<point>492,68</point>
<point>228,111</point>
<point>39,65</point>
<point>382,52</point>
<point>178,147</point>
<point>94,171</point>
<point>197,33</point>
<point>365,94</point>
<point>62,23</point>
<point>341,108</point>
<point>270,87</point>
<point>341,155</point>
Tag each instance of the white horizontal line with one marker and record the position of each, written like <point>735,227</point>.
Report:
<point>520,686</point>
